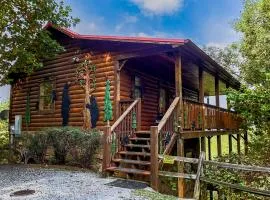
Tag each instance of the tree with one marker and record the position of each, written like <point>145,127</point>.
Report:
<point>229,57</point>
<point>23,41</point>
<point>107,103</point>
<point>253,100</point>
<point>254,24</point>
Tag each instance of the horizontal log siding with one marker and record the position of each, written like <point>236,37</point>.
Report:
<point>62,69</point>
<point>150,95</point>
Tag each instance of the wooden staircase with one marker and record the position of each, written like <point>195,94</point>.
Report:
<point>134,159</point>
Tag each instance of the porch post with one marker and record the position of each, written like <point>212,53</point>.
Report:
<point>180,141</point>
<point>201,100</point>
<point>117,89</point>
<point>106,148</point>
<point>219,151</point>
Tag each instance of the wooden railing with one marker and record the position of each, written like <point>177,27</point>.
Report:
<point>163,138</point>
<point>124,127</point>
<point>199,116</point>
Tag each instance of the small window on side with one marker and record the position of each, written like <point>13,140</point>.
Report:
<point>45,96</point>
<point>137,88</point>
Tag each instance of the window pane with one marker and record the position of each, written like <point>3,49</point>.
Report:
<point>137,93</point>
<point>45,98</point>
<point>162,101</point>
<point>137,81</point>
<point>209,89</point>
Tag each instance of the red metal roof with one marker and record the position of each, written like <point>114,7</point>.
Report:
<point>75,35</point>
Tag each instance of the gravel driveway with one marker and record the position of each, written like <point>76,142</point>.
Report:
<point>60,184</point>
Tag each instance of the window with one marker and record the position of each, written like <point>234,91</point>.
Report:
<point>137,88</point>
<point>45,96</point>
<point>162,101</point>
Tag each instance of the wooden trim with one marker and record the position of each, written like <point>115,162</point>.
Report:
<point>154,157</point>
<point>177,175</point>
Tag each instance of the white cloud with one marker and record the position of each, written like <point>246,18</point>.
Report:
<point>127,19</point>
<point>159,7</point>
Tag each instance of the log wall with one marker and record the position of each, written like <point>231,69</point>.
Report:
<point>62,69</point>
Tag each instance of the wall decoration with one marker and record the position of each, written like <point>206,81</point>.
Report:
<point>65,105</point>
<point>86,77</point>
<point>94,111</point>
<point>107,104</point>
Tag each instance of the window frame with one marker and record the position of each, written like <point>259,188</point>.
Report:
<point>40,109</point>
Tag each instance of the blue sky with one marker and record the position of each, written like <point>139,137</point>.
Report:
<point>206,22</point>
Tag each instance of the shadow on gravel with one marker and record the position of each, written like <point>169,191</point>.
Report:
<point>127,184</point>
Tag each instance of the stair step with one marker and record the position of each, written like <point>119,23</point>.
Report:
<point>138,145</point>
<point>139,139</point>
<point>129,170</point>
<point>143,132</point>
<point>134,153</point>
<point>136,162</point>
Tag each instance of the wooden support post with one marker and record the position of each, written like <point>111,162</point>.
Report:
<point>139,115</point>
<point>181,181</point>
<point>209,148</point>
<point>219,148</point>
<point>201,95</point>
<point>154,157</point>
<point>203,144</point>
<point>230,143</point>
<point>219,145</point>
<point>180,141</point>
<point>106,148</point>
<point>246,142</point>
<point>239,143</point>
<point>117,90</point>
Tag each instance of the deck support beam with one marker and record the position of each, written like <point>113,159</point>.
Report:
<point>239,143</point>
<point>180,141</point>
<point>230,143</point>
<point>246,142</point>
<point>209,148</point>
<point>154,157</point>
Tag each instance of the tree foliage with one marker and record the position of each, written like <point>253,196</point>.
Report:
<point>253,100</point>
<point>23,41</point>
<point>228,57</point>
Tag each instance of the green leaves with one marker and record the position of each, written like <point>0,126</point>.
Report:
<point>23,42</point>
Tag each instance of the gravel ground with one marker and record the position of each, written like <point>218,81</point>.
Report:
<point>59,184</point>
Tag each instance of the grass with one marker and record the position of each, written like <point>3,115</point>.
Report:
<point>153,195</point>
<point>224,146</point>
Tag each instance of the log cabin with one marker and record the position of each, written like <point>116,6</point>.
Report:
<point>164,92</point>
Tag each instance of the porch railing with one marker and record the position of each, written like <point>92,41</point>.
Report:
<point>116,135</point>
<point>163,138</point>
<point>199,116</point>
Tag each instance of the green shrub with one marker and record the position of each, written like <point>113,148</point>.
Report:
<point>4,136</point>
<point>62,139</point>
<point>80,144</point>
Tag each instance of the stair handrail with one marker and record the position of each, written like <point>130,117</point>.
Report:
<point>122,117</point>
<point>110,132</point>
<point>168,113</point>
